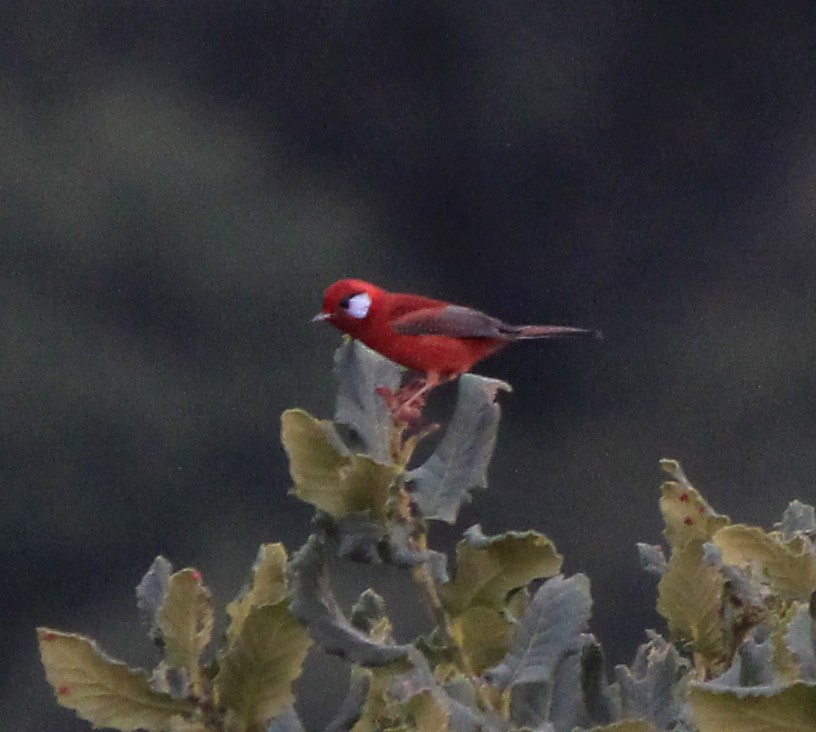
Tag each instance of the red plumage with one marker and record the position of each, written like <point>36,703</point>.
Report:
<point>431,336</point>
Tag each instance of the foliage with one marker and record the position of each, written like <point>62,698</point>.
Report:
<point>510,647</point>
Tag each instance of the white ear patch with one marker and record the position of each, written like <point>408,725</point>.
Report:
<point>358,305</point>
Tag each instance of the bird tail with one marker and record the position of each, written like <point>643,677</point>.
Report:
<point>555,331</point>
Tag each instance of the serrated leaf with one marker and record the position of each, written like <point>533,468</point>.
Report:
<point>266,587</point>
<point>789,567</point>
<point>649,689</point>
<point>315,606</point>
<point>690,598</point>
<point>550,628</point>
<point>459,464</point>
<point>770,709</point>
<point>360,372</point>
<point>489,568</point>
<point>255,676</point>
<point>185,619</point>
<point>329,477</point>
<point>101,690</point>
<point>150,593</point>
<point>687,515</point>
<point>752,664</point>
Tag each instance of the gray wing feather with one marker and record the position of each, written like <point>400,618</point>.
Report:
<point>454,321</point>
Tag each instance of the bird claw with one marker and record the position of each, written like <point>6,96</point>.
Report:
<point>406,404</point>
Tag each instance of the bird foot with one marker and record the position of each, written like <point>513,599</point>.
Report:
<point>405,404</point>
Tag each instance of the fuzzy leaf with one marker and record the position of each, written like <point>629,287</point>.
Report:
<point>601,705</point>
<point>629,725</point>
<point>649,688</point>
<point>752,665</point>
<point>329,477</point>
<point>800,640</point>
<point>799,518</point>
<point>150,593</point>
<point>102,691</point>
<point>267,586</point>
<point>687,515</point>
<point>368,613</point>
<point>690,598</point>
<point>255,676</point>
<point>551,628</point>
<point>489,568</point>
<point>360,371</point>
<point>314,605</point>
<point>286,721</point>
<point>652,559</point>
<point>186,622</point>
<point>789,567</point>
<point>766,709</point>
<point>459,464</point>
<point>351,709</point>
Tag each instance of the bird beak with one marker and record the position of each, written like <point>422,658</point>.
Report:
<point>320,316</point>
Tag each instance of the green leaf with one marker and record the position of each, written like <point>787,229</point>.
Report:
<point>326,475</point>
<point>314,605</point>
<point>687,515</point>
<point>267,586</point>
<point>650,689</point>
<point>769,709</point>
<point>102,691</point>
<point>427,713</point>
<point>255,676</point>
<point>186,621</point>
<point>788,566</point>
<point>551,627</point>
<point>484,635</point>
<point>459,464</point>
<point>489,568</point>
<point>690,598</point>
<point>360,372</point>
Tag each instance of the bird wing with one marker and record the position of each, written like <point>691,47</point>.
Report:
<point>454,321</point>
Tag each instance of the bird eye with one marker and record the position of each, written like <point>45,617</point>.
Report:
<point>357,305</point>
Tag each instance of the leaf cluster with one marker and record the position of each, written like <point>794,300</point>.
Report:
<point>509,646</point>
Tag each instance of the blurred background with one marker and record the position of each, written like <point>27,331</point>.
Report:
<point>180,181</point>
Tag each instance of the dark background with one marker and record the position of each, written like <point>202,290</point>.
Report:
<point>180,181</point>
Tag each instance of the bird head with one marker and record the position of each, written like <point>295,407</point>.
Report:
<point>347,304</point>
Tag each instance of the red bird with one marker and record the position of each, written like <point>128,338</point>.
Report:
<point>434,337</point>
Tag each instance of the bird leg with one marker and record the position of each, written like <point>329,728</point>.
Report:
<point>407,403</point>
